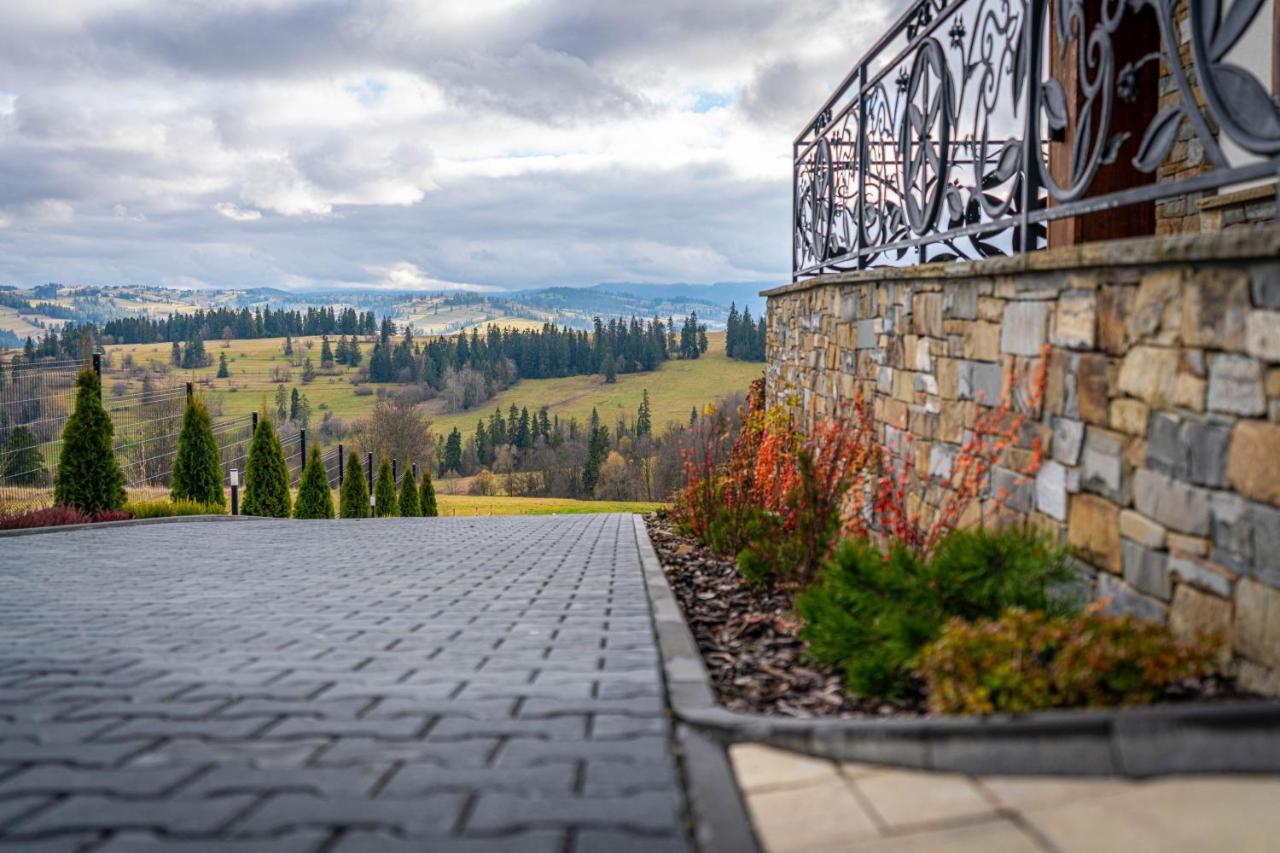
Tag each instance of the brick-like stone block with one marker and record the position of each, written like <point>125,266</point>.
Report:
<point>1150,374</point>
<point>1265,282</point>
<point>1255,631</point>
<point>1264,523</point>
<point>1253,462</point>
<point>1051,490</point>
<point>1129,416</point>
<point>1068,440</point>
<point>1115,304</point>
<point>1195,613</point>
<point>1203,574</point>
<point>1157,307</point>
<point>1024,328</point>
<point>1103,465</point>
<point>1262,335</point>
<point>982,341</point>
<point>1093,528</point>
<point>1139,528</point>
<point>1235,385</point>
<point>1147,570</point>
<point>1177,505</point>
<point>1092,388</point>
<point>1122,598</point>
<point>1075,320</point>
<point>1214,307</point>
<point>980,381</point>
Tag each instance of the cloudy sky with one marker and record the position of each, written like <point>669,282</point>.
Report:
<point>318,143</point>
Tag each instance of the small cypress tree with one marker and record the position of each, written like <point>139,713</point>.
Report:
<point>354,497</point>
<point>88,477</point>
<point>314,497</point>
<point>266,474</point>
<point>223,371</point>
<point>427,495</point>
<point>197,467</point>
<point>384,491</point>
<point>21,463</point>
<point>409,505</point>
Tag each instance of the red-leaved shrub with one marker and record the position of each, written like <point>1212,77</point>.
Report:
<point>57,516</point>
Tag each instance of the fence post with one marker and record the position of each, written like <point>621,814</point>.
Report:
<point>303,433</point>
<point>191,390</point>
<point>342,461</point>
<point>395,470</point>
<point>415,472</point>
<point>368,464</point>
<point>97,368</point>
<point>235,492</point>
<point>255,421</point>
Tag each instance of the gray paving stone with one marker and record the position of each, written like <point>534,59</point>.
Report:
<point>443,684</point>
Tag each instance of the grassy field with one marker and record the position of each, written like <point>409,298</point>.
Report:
<point>469,505</point>
<point>674,389</point>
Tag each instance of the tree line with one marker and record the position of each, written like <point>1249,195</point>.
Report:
<point>744,337</point>
<point>242,323</point>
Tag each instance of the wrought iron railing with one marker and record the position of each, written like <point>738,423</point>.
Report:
<point>936,146</point>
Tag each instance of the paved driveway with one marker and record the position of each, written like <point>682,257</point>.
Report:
<point>443,684</point>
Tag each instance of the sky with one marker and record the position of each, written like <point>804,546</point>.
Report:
<point>409,143</point>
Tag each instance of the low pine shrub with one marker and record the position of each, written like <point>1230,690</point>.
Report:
<point>169,508</point>
<point>353,499</point>
<point>427,495</point>
<point>88,477</point>
<point>266,474</point>
<point>1030,660</point>
<point>408,500</point>
<point>314,498</point>
<point>870,615</point>
<point>197,467</point>
<point>386,503</point>
<point>56,516</point>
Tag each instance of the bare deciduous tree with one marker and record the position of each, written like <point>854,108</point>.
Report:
<point>399,430</point>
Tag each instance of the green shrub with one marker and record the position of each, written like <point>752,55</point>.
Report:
<point>170,508</point>
<point>871,615</point>
<point>353,500</point>
<point>88,478</point>
<point>408,501</point>
<point>1026,661</point>
<point>266,474</point>
<point>427,495</point>
<point>21,463</point>
<point>314,498</point>
<point>197,467</point>
<point>384,491</point>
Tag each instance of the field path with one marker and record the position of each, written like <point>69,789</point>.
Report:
<point>468,684</point>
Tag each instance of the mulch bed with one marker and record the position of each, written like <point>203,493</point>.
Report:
<point>747,637</point>
<point>757,664</point>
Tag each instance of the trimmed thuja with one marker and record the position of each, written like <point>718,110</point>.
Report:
<point>409,506</point>
<point>384,490</point>
<point>88,477</point>
<point>314,498</point>
<point>266,488</point>
<point>197,468</point>
<point>354,498</point>
<point>427,495</point>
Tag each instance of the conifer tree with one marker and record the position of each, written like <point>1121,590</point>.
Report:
<point>644,417</point>
<point>314,498</point>
<point>266,474</point>
<point>88,477</point>
<point>597,450</point>
<point>427,495</point>
<point>326,353</point>
<point>453,451</point>
<point>197,466</point>
<point>355,494</point>
<point>293,405</point>
<point>20,461</point>
<point>408,500</point>
<point>384,490</point>
<point>223,371</point>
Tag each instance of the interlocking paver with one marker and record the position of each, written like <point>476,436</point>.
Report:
<point>443,684</point>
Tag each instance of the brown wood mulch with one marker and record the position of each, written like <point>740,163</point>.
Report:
<point>747,637</point>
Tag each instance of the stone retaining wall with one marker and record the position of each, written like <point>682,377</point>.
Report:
<point>1161,418</point>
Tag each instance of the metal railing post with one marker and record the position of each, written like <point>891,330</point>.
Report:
<point>191,390</point>
<point>97,368</point>
<point>395,470</point>
<point>368,464</point>
<point>303,437</point>
<point>255,421</point>
<point>863,151</point>
<point>342,462</point>
<point>1031,32</point>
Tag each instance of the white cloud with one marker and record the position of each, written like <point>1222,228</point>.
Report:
<point>237,214</point>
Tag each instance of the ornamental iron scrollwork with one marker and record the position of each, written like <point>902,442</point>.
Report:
<point>937,147</point>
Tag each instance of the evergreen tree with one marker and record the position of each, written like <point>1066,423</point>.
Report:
<point>197,466</point>
<point>266,474</point>
<point>384,491</point>
<point>610,367</point>
<point>175,354</point>
<point>20,461</point>
<point>693,416</point>
<point>427,495</point>
<point>282,403</point>
<point>524,436</point>
<point>223,371</point>
<point>484,451</point>
<point>597,450</point>
<point>408,500</point>
<point>353,353</point>
<point>326,353</point>
<point>644,417</point>
<point>288,345</point>
<point>453,451</point>
<point>731,332</point>
<point>88,477</point>
<point>354,496</point>
<point>314,498</point>
<point>293,405</point>
<point>341,355</point>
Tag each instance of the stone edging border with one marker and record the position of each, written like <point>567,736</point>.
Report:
<point>128,522</point>
<point>1191,737</point>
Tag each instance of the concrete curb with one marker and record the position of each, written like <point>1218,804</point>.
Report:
<point>128,522</point>
<point>1193,737</point>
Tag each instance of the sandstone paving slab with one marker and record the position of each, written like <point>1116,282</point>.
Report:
<point>485,684</point>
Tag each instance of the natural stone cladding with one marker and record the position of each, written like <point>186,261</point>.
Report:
<point>1161,418</point>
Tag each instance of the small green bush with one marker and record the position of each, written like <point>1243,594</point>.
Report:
<point>266,475</point>
<point>408,501</point>
<point>871,615</point>
<point>353,499</point>
<point>197,466</point>
<point>314,498</point>
<point>1025,661</point>
<point>384,491</point>
<point>89,478</point>
<point>170,508</point>
<point>427,495</point>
